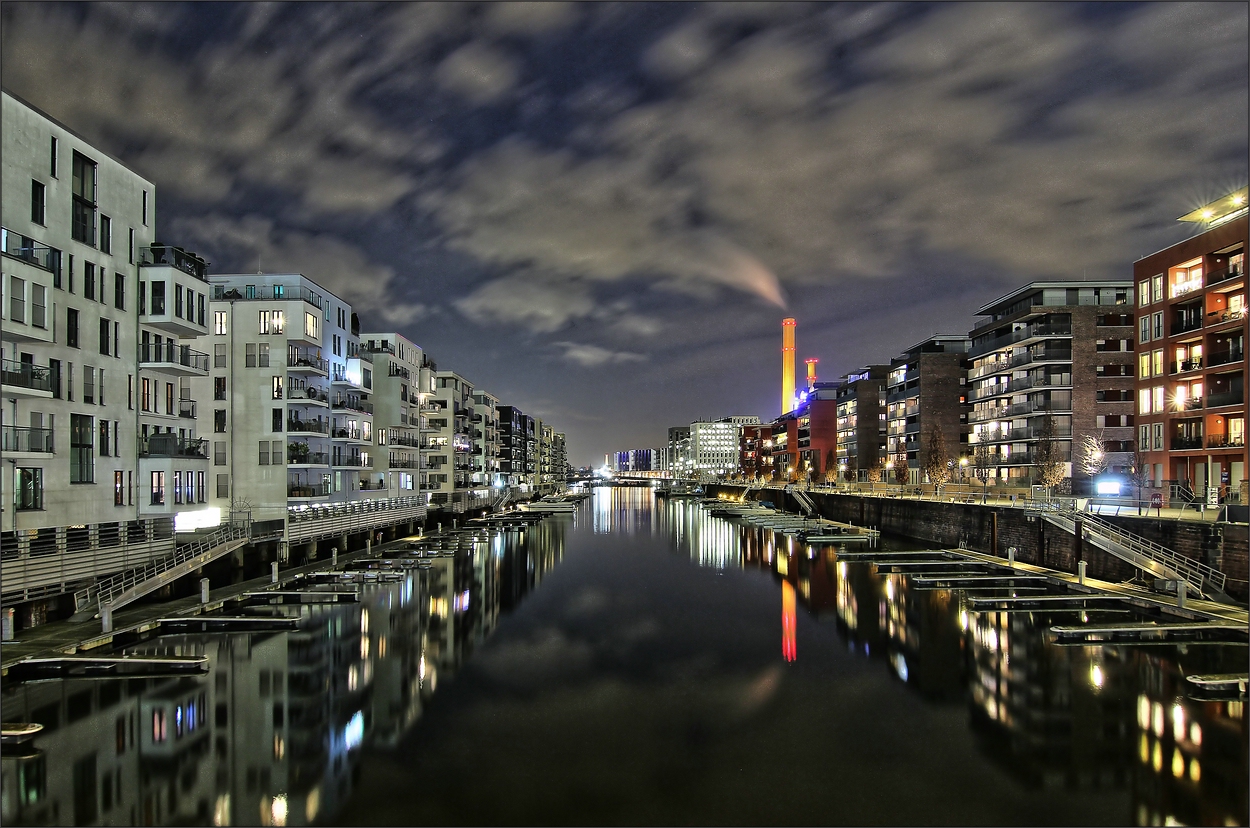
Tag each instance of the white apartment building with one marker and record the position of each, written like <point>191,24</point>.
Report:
<point>402,376</point>
<point>98,325</point>
<point>450,476</point>
<point>714,445</point>
<point>486,444</point>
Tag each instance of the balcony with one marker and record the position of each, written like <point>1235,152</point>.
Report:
<point>1185,325</point>
<point>342,403</point>
<point>299,454</point>
<point>299,361</point>
<point>186,408</point>
<point>1215,277</point>
<point>1015,337</point>
<point>1224,441</point>
<point>29,251</point>
<point>347,434</point>
<point>1220,317</point>
<point>394,370</point>
<point>24,379</point>
<point>297,488</point>
<point>1186,443</point>
<point>378,347</point>
<point>1187,365</point>
<point>1234,397</point>
<point>1225,357</point>
<point>1189,404</point>
<point>167,255</point>
<point>19,440</point>
<point>268,293</point>
<point>307,395</point>
<point>295,425</point>
<point>172,358</point>
<point>172,445</point>
<point>999,367</point>
<point>1041,355</point>
<point>354,461</point>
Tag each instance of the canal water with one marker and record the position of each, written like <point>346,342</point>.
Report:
<point>641,662</point>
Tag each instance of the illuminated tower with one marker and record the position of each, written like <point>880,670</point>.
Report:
<point>787,364</point>
<point>811,373</point>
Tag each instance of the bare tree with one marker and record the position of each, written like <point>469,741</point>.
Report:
<point>1047,456</point>
<point>831,466</point>
<point>901,472</point>
<point>1093,454</point>
<point>1139,474</point>
<point>848,474</point>
<point>937,465</point>
<point>981,466</point>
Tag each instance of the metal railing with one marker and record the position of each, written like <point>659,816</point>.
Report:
<point>186,408</point>
<point>1223,441</point>
<point>1225,357</point>
<point>187,262</point>
<point>295,425</point>
<point>1028,332</point>
<point>173,445</point>
<point>297,359</point>
<point>28,250</point>
<point>174,353</point>
<point>17,438</point>
<point>25,375</point>
<point>307,458</point>
<point>1225,398</point>
<point>1186,325</point>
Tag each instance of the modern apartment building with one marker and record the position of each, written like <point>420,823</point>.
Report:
<point>99,326</point>
<point>512,445</point>
<point>451,440</point>
<point>1191,359</point>
<point>862,421</point>
<point>714,446</point>
<point>485,420</point>
<point>1056,352</point>
<point>402,377</point>
<point>755,451</point>
<point>926,393</point>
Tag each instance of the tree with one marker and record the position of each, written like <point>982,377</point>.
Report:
<point>981,466</point>
<point>874,471</point>
<point>1139,474</point>
<point>848,474</point>
<point>1093,455</point>
<point>937,465</point>
<point>1047,456</point>
<point>831,466</point>
<point>901,472</point>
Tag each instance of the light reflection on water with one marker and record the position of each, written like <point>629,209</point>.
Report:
<point>277,732</point>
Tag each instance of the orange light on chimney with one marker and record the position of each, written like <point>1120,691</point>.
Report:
<point>787,364</point>
<point>811,374</point>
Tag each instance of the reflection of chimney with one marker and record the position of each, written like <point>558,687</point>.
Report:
<point>811,374</point>
<point>787,364</point>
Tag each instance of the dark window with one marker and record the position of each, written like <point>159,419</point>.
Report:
<point>37,202</point>
<point>104,337</point>
<point>145,208</point>
<point>277,421</point>
<point>178,301</point>
<point>29,492</point>
<point>71,327</point>
<point>158,298</point>
<point>86,794</point>
<point>106,235</point>
<point>219,421</point>
<point>119,488</point>
<point>219,388</point>
<point>88,280</point>
<point>104,438</point>
<point>81,449</point>
<point>54,368</point>
<point>82,226</point>
<point>119,291</point>
<point>131,257</point>
<point>53,154</point>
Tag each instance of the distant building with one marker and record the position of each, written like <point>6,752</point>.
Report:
<point>862,421</point>
<point>926,392</point>
<point>1191,357</point>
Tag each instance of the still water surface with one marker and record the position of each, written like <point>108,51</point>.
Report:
<point>641,663</point>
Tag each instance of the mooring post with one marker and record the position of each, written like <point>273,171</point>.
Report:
<point>994,534</point>
<point>1011,555</point>
<point>1080,572</point>
<point>106,619</point>
<point>1181,589</point>
<point>203,590</point>
<point>273,572</point>
<point>334,557</point>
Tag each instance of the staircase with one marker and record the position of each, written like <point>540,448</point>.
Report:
<point>1141,553</point>
<point>502,501</point>
<point>805,502</point>
<point>121,589</point>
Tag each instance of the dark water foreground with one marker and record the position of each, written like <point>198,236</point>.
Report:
<point>642,663</point>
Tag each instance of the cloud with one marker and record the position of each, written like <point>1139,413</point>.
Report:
<point>256,241</point>
<point>542,305</point>
<point>592,356</point>
<point>479,72</point>
<point>530,18</point>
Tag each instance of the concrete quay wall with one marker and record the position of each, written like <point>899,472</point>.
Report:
<point>992,529</point>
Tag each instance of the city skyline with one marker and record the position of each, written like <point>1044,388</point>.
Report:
<point>601,213</point>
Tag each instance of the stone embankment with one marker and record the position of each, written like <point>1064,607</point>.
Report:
<point>993,528</point>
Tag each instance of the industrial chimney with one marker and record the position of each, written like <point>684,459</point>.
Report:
<point>811,374</point>
<point>787,364</point>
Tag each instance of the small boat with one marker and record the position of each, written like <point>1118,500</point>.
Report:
<point>16,733</point>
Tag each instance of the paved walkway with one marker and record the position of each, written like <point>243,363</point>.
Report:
<point>62,637</point>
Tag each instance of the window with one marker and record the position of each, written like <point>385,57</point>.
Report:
<point>1156,362</point>
<point>1143,334</point>
<point>1158,435</point>
<point>262,355</point>
<point>69,271</point>
<point>277,387</point>
<point>117,337</point>
<point>106,235</point>
<point>53,157</point>
<point>249,355</point>
<point>223,485</point>
<point>219,355</point>
<point>1143,400</point>
<point>101,386</point>
<point>178,301</point>
<point>1143,437</point>
<point>145,394</point>
<point>105,330</point>
<point>88,384</point>
<point>200,309</point>
<point>189,485</point>
<point>54,369</point>
<point>279,291</point>
<point>277,421</point>
<point>219,453</point>
<point>169,398</point>
<point>1157,400</point>
<point>219,421</point>
<point>81,449</point>
<point>263,457</point>
<point>143,297</point>
<point>119,291</point>
<point>82,224</point>
<point>130,391</point>
<point>1156,288</point>
<point>104,438</point>
<point>119,488</point>
<point>219,388</point>
<point>219,322</point>
<point>28,494</point>
<point>131,257</point>
<point>158,488</point>
<point>71,327</point>
<point>158,298</point>
<point>38,306</point>
<point>178,486</point>
<point>145,208</point>
<point>1143,366</point>
<point>277,451</point>
<point>310,325</point>
<point>17,299</point>
<point>88,280</point>
<point>37,203</point>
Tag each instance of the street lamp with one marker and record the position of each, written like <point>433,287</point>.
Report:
<point>963,468</point>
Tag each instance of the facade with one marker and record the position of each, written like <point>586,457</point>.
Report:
<point>926,391</point>
<point>1191,359</point>
<point>512,446</point>
<point>102,441</point>
<point>755,451</point>
<point>714,446</point>
<point>402,378</point>
<point>450,479</point>
<point>1059,353</point>
<point>861,423</point>
<point>485,421</point>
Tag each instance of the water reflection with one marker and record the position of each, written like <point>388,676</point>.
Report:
<point>272,735</point>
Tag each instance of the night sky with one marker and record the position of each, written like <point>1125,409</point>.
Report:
<point>601,213</point>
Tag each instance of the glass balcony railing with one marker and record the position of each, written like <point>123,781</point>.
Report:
<point>172,352</point>
<point>173,445</point>
<point>28,250</point>
<point>184,260</point>
<point>25,375</point>
<point>1186,443</point>
<point>297,425</point>
<point>17,438</point>
<point>1225,357</point>
<point>1186,324</point>
<point>1234,397</point>
<point>297,456</point>
<point>1224,441</point>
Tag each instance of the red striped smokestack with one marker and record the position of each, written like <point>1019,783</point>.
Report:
<point>787,364</point>
<point>811,373</point>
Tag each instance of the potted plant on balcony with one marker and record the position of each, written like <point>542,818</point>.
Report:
<point>298,453</point>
